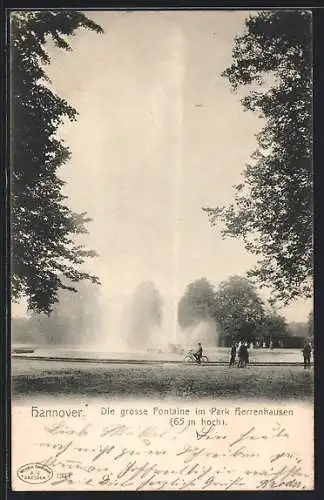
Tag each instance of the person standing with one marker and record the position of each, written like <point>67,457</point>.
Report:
<point>246,354</point>
<point>307,352</point>
<point>240,353</point>
<point>233,355</point>
<point>243,355</point>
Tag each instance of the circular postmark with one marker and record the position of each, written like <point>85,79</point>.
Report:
<point>35,473</point>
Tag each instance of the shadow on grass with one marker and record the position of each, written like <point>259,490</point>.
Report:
<point>177,381</point>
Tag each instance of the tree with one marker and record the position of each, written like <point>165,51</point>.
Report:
<point>310,324</point>
<point>145,314</point>
<point>43,227</point>
<point>273,328</point>
<point>298,329</point>
<point>239,309</point>
<point>197,304</point>
<point>272,209</point>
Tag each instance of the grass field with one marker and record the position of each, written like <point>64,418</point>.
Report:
<point>181,381</point>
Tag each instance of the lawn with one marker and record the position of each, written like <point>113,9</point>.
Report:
<point>181,381</point>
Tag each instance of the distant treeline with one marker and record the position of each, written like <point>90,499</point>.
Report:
<point>239,313</point>
<point>234,311</point>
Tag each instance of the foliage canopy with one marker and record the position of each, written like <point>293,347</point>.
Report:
<point>42,226</point>
<point>272,209</point>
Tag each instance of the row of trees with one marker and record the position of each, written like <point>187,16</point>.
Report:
<point>236,308</point>
<point>232,311</point>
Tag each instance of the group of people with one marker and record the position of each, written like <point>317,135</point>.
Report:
<point>239,355</point>
<point>238,350</point>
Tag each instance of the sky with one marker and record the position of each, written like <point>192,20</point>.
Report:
<point>159,135</point>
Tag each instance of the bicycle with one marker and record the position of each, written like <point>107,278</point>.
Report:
<point>191,358</point>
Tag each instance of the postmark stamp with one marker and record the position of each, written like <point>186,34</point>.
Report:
<point>34,473</point>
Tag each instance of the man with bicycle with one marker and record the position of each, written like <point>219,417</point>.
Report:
<point>198,353</point>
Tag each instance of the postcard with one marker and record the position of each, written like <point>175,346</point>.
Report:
<point>161,204</point>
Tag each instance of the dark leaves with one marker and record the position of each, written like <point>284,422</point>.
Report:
<point>272,209</point>
<point>197,303</point>
<point>44,254</point>
<point>239,310</point>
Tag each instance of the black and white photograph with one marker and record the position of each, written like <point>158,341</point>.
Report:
<point>161,169</point>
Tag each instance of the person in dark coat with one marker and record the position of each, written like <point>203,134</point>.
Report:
<point>307,352</point>
<point>243,355</point>
<point>198,353</point>
<point>233,355</point>
<point>246,355</point>
<point>240,355</point>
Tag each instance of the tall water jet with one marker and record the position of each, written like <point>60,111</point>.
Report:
<point>178,65</point>
<point>167,95</point>
<point>162,160</point>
